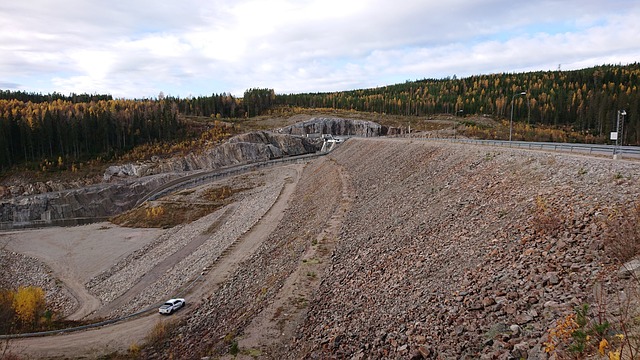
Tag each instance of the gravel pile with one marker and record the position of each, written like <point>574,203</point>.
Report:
<point>21,270</point>
<point>449,251</point>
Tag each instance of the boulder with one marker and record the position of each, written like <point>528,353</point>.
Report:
<point>629,269</point>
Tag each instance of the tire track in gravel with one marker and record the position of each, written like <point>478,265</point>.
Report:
<point>250,241</point>
<point>275,328</point>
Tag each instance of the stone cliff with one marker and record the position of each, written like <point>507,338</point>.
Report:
<point>241,149</point>
<point>125,184</point>
<point>336,126</point>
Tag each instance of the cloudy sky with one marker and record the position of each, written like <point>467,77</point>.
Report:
<point>137,48</point>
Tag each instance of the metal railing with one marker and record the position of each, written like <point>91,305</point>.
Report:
<point>591,149</point>
<point>181,183</point>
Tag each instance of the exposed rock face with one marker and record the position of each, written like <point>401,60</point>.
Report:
<point>93,201</point>
<point>245,148</point>
<point>336,126</point>
<point>104,200</point>
<point>15,187</point>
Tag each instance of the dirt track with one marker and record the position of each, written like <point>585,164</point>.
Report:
<point>118,337</point>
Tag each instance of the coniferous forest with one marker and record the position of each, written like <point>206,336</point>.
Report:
<point>55,127</point>
<point>585,100</point>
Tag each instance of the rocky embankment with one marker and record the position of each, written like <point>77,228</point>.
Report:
<point>207,238</point>
<point>125,184</point>
<point>448,251</point>
<point>240,149</point>
<point>456,251</point>
<point>19,270</point>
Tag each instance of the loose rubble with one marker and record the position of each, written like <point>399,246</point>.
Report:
<point>248,208</point>
<point>19,270</point>
<point>449,251</point>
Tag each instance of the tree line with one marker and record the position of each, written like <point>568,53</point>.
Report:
<point>39,97</point>
<point>61,132</point>
<point>255,102</point>
<point>58,129</point>
<point>585,100</point>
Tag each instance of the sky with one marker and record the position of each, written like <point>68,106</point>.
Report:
<point>139,48</point>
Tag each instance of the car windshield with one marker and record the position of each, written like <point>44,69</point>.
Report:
<point>168,304</point>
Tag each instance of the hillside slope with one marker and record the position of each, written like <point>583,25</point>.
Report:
<point>448,246</point>
<point>446,251</point>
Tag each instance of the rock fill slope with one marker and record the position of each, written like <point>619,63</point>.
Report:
<point>454,251</point>
<point>448,251</point>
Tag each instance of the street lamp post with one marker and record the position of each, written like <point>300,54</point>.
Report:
<point>455,124</point>
<point>618,134</point>
<point>511,122</point>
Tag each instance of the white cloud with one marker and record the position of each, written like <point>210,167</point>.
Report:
<point>139,48</point>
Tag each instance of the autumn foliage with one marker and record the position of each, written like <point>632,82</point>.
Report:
<point>585,101</point>
<point>23,310</point>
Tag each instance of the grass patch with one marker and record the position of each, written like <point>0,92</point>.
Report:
<point>252,352</point>
<point>160,333</point>
<point>312,261</point>
<point>218,194</point>
<point>622,235</point>
<point>165,215</point>
<point>234,349</point>
<point>301,303</point>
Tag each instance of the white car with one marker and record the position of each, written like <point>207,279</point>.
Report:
<point>171,305</point>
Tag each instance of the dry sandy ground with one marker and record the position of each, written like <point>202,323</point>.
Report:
<point>79,253</point>
<point>76,254</point>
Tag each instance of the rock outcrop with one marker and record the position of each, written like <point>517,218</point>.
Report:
<point>126,184</point>
<point>101,200</point>
<point>336,126</point>
<point>241,149</point>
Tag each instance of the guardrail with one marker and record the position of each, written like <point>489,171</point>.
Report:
<point>101,323</point>
<point>202,178</point>
<point>34,224</point>
<point>631,151</point>
<point>172,186</point>
<point>78,328</point>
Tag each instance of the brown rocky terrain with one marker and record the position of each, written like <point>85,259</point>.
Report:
<point>400,248</point>
<point>125,184</point>
<point>446,251</point>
